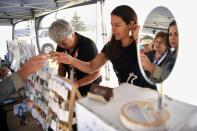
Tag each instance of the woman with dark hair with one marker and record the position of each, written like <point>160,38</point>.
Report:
<point>121,50</point>
<point>173,38</point>
<point>159,73</point>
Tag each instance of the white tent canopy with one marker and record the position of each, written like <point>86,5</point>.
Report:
<point>12,11</point>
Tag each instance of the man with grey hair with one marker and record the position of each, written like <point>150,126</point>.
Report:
<point>147,42</point>
<point>78,46</point>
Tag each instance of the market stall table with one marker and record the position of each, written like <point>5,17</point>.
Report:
<point>97,116</point>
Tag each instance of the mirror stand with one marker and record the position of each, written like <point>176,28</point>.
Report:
<point>160,96</point>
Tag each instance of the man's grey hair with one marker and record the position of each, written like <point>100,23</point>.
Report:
<point>59,30</point>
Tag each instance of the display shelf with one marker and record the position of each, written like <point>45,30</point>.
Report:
<point>52,99</point>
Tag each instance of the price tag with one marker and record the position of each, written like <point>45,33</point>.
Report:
<point>63,115</point>
<point>31,97</point>
<point>53,124</point>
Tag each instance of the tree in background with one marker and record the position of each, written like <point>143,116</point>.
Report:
<point>77,24</point>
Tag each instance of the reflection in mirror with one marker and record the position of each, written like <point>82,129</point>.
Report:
<point>158,47</point>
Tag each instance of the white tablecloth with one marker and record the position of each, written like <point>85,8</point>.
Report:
<point>97,116</point>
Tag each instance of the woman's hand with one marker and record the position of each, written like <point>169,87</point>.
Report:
<point>61,57</point>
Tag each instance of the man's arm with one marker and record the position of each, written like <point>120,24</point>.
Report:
<point>16,81</point>
<point>10,84</point>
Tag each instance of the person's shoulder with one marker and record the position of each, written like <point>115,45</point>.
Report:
<point>150,53</point>
<point>84,39</point>
<point>106,47</point>
<point>172,54</point>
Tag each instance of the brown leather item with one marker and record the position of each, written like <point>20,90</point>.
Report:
<point>103,91</point>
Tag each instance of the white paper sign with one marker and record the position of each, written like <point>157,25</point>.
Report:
<point>64,93</point>
<point>22,106</point>
<point>31,97</point>
<point>53,125</point>
<point>63,115</point>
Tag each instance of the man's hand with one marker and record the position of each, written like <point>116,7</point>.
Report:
<point>32,65</point>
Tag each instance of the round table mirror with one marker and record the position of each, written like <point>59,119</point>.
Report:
<point>158,46</point>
